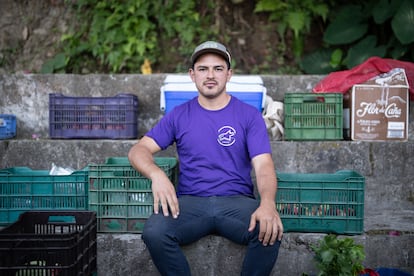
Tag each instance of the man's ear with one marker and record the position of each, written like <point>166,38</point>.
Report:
<point>229,74</point>
<point>191,73</point>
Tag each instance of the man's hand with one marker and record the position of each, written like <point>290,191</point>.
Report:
<point>164,194</point>
<point>163,191</point>
<point>271,227</point>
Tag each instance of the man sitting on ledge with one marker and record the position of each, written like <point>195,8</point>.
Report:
<point>219,140</point>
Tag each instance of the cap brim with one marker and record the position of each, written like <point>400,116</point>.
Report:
<point>210,50</point>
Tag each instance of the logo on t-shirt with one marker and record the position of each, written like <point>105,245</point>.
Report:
<point>226,136</point>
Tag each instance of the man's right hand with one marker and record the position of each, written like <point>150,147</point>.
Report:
<point>164,195</point>
<point>141,158</point>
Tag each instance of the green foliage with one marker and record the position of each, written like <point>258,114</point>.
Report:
<point>341,257</point>
<point>295,15</point>
<point>5,56</point>
<point>117,36</point>
<point>362,30</point>
<point>54,65</point>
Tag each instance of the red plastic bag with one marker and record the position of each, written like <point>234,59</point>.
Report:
<point>342,81</point>
<point>369,272</point>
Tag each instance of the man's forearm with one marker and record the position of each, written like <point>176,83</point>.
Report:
<point>143,161</point>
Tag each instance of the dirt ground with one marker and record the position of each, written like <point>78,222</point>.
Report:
<point>30,31</point>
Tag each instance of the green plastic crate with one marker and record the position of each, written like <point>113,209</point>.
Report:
<point>23,189</point>
<point>121,196</point>
<point>311,116</point>
<point>322,203</point>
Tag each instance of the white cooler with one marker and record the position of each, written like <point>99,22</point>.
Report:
<point>178,89</point>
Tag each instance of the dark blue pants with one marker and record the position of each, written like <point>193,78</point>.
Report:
<point>226,216</point>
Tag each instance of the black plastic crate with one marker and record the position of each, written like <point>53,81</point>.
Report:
<point>50,243</point>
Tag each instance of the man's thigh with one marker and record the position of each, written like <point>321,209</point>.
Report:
<point>194,221</point>
<point>233,218</point>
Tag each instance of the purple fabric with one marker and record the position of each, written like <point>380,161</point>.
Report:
<point>214,147</point>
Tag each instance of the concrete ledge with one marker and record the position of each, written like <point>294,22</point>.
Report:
<point>27,95</point>
<point>386,166</point>
<point>126,254</point>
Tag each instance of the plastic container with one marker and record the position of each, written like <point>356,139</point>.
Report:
<point>47,243</point>
<point>7,126</point>
<point>322,203</point>
<point>383,271</point>
<point>23,189</point>
<point>121,196</point>
<point>93,117</point>
<point>178,89</point>
<point>311,116</point>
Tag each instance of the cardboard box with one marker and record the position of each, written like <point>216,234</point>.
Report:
<point>379,110</point>
<point>178,89</point>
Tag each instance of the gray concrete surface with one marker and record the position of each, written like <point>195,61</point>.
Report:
<point>386,166</point>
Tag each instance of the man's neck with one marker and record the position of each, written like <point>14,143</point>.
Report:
<point>215,103</point>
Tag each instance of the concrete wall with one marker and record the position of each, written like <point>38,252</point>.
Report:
<point>386,166</point>
<point>27,96</point>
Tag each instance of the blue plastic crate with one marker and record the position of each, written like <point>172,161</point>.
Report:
<point>7,126</point>
<point>93,117</point>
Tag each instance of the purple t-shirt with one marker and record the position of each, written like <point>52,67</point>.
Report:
<point>215,148</point>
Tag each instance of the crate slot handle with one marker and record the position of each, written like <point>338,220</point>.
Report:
<point>61,218</point>
<point>313,99</point>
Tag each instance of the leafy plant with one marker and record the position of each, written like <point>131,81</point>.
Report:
<point>340,257</point>
<point>362,30</point>
<point>118,36</point>
<point>295,15</point>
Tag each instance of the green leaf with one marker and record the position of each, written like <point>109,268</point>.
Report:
<point>336,58</point>
<point>321,10</point>
<point>382,11</point>
<point>344,32</point>
<point>297,20</point>
<point>298,46</point>
<point>363,50</point>
<point>54,64</point>
<point>398,51</point>
<point>327,256</point>
<point>350,12</point>
<point>59,61</point>
<point>47,67</point>
<point>317,62</point>
<point>269,6</point>
<point>348,26</point>
<point>403,22</point>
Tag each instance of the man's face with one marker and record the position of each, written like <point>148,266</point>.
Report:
<point>210,75</point>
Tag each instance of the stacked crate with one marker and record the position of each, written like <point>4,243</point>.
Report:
<point>317,202</point>
<point>93,117</point>
<point>310,116</point>
<point>121,196</point>
<point>23,189</point>
<point>50,243</point>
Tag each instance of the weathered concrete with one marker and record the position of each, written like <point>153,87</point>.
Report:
<point>386,166</point>
<point>125,254</point>
<point>27,96</point>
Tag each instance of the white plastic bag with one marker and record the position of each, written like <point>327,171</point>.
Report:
<point>273,116</point>
<point>60,170</point>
